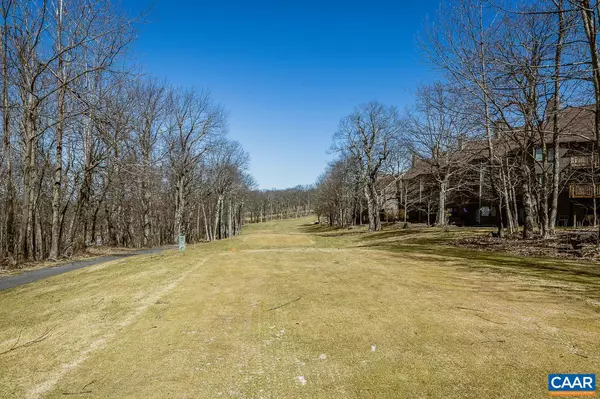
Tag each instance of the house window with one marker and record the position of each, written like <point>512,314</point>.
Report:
<point>538,154</point>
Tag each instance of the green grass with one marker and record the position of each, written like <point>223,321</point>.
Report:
<point>287,302</point>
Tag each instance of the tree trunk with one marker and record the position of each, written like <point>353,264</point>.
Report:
<point>441,219</point>
<point>512,216</point>
<point>399,192</point>
<point>488,129</point>
<point>527,205</point>
<point>405,204</point>
<point>218,217</point>
<point>555,118</point>
<point>9,185</point>
<point>28,183</point>
<point>372,206</point>
<point>56,188</point>
<point>230,220</point>
<point>179,209</point>
<point>146,206</point>
<point>206,226</point>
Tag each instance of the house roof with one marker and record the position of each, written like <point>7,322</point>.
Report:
<point>576,124</point>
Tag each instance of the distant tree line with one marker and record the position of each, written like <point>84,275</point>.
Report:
<point>266,205</point>
<point>94,153</point>
<point>520,98</point>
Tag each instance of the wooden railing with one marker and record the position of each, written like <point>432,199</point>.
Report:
<point>584,161</point>
<point>584,190</point>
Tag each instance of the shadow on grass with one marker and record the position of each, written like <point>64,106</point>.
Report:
<point>479,261</point>
<point>311,228</point>
<point>329,231</point>
<point>437,244</point>
<point>384,235</point>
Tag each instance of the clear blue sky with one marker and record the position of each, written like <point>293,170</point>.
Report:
<point>286,71</point>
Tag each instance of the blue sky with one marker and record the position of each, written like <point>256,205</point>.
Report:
<point>286,71</point>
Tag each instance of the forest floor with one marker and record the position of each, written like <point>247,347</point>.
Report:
<point>290,310</point>
<point>558,246</point>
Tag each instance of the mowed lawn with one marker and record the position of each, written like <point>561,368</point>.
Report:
<point>289,310</point>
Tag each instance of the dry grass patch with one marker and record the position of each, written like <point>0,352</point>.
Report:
<point>276,240</point>
<point>393,318</point>
<point>50,327</point>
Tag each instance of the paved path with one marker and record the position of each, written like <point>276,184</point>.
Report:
<point>38,274</point>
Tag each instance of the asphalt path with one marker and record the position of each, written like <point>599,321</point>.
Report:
<point>34,275</point>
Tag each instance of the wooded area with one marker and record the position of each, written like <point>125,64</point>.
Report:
<point>265,205</point>
<point>513,129</point>
<point>95,152</point>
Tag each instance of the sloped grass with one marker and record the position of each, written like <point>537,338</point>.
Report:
<point>433,244</point>
<point>295,310</point>
<point>353,323</point>
<point>434,247</point>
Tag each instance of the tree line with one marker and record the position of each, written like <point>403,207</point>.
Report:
<point>521,83</point>
<point>266,205</point>
<point>94,152</point>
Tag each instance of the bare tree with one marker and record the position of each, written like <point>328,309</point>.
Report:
<point>194,122</point>
<point>438,131</point>
<point>149,100</point>
<point>461,43</point>
<point>367,135</point>
<point>6,166</point>
<point>89,36</point>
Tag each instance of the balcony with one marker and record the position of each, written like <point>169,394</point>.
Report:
<point>584,190</point>
<point>584,161</point>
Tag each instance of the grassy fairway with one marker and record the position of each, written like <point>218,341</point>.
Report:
<point>288,310</point>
